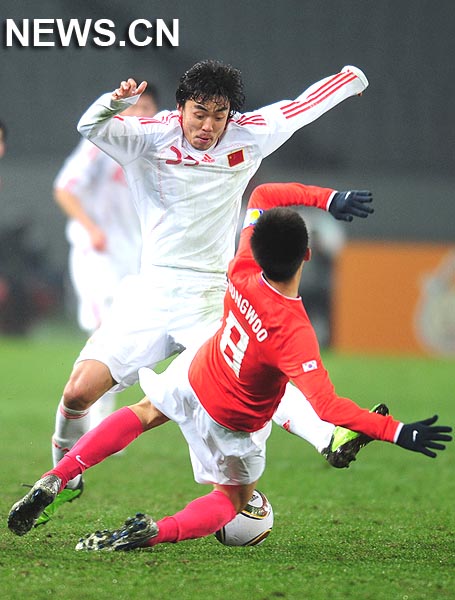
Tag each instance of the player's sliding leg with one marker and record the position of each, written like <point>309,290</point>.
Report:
<point>338,445</point>
<point>200,518</point>
<point>70,425</point>
<point>136,532</point>
<point>89,381</point>
<point>113,434</point>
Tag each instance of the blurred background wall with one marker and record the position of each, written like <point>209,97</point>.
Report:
<point>397,140</point>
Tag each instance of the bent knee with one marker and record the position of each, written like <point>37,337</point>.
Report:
<point>77,396</point>
<point>85,386</point>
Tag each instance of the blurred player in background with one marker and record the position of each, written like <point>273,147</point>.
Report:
<point>224,398</point>
<point>2,139</point>
<point>187,170</point>
<point>103,230</point>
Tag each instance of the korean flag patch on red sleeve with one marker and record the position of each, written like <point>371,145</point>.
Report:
<point>310,365</point>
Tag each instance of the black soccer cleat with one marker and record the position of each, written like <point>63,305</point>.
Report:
<point>66,495</point>
<point>26,511</point>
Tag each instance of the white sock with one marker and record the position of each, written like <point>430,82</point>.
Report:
<point>296,415</point>
<point>102,408</point>
<point>70,425</point>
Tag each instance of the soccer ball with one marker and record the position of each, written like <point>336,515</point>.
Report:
<point>250,527</point>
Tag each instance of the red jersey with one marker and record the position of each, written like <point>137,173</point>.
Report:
<point>266,339</point>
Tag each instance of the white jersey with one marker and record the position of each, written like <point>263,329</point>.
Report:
<point>99,184</point>
<point>188,201</point>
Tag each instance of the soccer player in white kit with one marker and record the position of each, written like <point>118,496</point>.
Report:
<point>187,170</point>
<point>103,230</point>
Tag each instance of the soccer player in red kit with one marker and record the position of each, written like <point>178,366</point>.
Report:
<point>224,397</point>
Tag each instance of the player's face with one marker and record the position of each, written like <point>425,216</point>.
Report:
<point>204,123</point>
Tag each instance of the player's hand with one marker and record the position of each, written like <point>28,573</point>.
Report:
<point>423,435</point>
<point>353,203</point>
<point>127,89</point>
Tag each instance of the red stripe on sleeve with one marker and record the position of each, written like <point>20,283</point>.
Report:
<point>316,98</point>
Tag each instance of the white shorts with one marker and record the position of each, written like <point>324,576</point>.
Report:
<point>218,455</point>
<point>154,316</point>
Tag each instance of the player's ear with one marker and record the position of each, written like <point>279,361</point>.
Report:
<point>307,256</point>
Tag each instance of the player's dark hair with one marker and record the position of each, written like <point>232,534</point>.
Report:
<point>210,80</point>
<point>279,243</point>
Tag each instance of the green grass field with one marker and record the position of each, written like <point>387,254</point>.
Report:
<point>382,529</point>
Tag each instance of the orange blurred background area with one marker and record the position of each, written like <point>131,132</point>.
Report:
<point>395,298</point>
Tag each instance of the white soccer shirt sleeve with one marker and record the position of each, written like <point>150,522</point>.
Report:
<point>276,123</point>
<point>102,123</point>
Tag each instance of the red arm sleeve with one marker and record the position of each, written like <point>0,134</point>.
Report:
<point>343,411</point>
<point>270,195</point>
<point>303,365</point>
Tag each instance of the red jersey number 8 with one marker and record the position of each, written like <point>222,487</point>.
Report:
<point>233,343</point>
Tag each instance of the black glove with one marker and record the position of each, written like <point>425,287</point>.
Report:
<point>354,203</point>
<point>420,436</point>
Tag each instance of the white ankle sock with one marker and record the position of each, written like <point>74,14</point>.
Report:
<point>70,425</point>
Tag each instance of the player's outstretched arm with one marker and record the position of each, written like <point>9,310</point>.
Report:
<point>344,206</point>
<point>98,115</point>
<point>111,135</point>
<point>424,437</point>
<point>283,118</point>
<point>324,95</point>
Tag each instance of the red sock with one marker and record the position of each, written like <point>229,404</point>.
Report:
<point>113,433</point>
<point>199,518</point>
